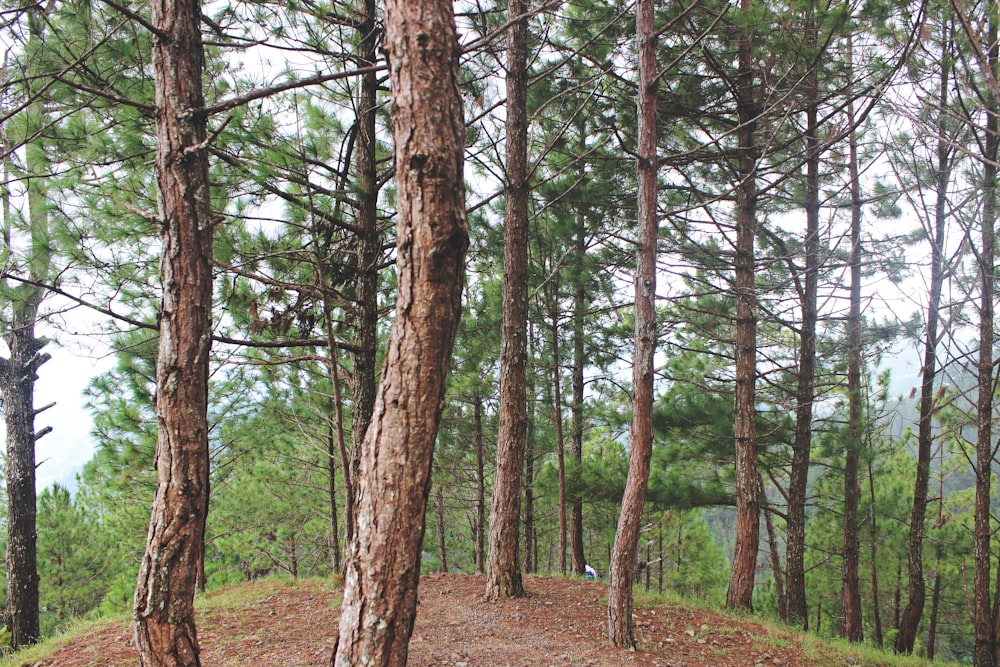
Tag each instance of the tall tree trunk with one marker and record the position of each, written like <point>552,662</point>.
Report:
<point>369,257</point>
<point>932,628</point>
<point>578,560</point>
<point>380,583</point>
<point>985,651</point>
<point>530,546</point>
<point>851,626</point>
<point>797,612</point>
<point>560,445</point>
<point>331,471</point>
<point>442,533</point>
<point>741,580</point>
<point>873,532</point>
<point>17,385</point>
<point>480,484</point>
<point>503,572</point>
<point>18,373</point>
<point>164,597</point>
<point>772,543</point>
<point>910,620</point>
<point>625,554</point>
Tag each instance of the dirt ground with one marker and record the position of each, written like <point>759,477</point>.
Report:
<point>561,622</point>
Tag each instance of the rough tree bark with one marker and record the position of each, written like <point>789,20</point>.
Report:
<point>480,484</point>
<point>986,623</point>
<point>797,612</point>
<point>369,257</point>
<point>18,372</point>
<point>916,587</point>
<point>851,627</point>
<point>164,597</point>
<point>741,580</point>
<point>503,572</point>
<point>578,559</point>
<point>558,417</point>
<point>624,555</point>
<point>383,569</point>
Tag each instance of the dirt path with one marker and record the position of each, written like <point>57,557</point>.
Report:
<point>560,623</point>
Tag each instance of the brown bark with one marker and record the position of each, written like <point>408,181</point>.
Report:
<point>932,628</point>
<point>369,257</point>
<point>380,584</point>
<point>480,485</point>
<point>910,620</point>
<point>578,559</point>
<point>772,543</point>
<point>560,445</point>
<point>530,544</point>
<point>741,580</point>
<point>873,533</point>
<point>624,555</point>
<point>442,533</point>
<point>503,572</point>
<point>985,628</point>
<point>164,598</point>
<point>797,610</point>
<point>851,627</point>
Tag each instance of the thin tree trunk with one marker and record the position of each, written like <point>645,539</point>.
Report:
<point>797,611</point>
<point>932,626</point>
<point>984,627</point>
<point>164,598</point>
<point>624,556</point>
<point>910,621</point>
<point>560,445</point>
<point>578,560</point>
<point>369,257</point>
<point>331,471</point>
<point>477,412</point>
<point>851,626</point>
<point>530,459</point>
<point>442,547</point>
<point>873,532</point>
<point>741,580</point>
<point>772,541</point>
<point>503,572</point>
<point>380,583</point>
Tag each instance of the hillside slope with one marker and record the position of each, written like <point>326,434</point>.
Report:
<point>280,624</point>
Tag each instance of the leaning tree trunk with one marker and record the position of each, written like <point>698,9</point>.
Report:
<point>503,571</point>
<point>741,580</point>
<point>164,597</point>
<point>625,554</point>
<point>910,620</point>
<point>383,569</point>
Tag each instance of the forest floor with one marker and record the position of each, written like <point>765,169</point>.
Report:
<point>561,622</point>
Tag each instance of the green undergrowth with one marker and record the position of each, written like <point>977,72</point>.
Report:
<point>820,650</point>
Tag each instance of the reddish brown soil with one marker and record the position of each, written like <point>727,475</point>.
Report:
<point>561,622</point>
